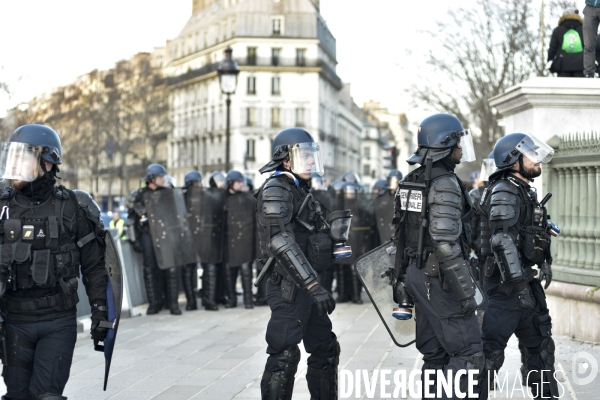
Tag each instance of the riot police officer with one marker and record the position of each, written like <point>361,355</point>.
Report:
<point>379,186</point>
<point>48,231</point>
<point>239,234</point>
<point>138,220</point>
<point>192,179</point>
<point>432,247</point>
<point>289,225</point>
<point>384,206</point>
<point>519,240</point>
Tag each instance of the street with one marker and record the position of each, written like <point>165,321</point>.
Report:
<point>221,355</point>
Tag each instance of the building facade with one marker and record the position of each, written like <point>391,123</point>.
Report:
<point>287,59</point>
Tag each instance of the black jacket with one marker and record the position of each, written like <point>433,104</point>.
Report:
<point>563,61</point>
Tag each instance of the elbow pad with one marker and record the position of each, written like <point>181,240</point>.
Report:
<point>456,273</point>
<point>293,261</point>
<point>507,257</point>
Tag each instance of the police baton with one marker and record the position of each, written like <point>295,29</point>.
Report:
<point>268,265</point>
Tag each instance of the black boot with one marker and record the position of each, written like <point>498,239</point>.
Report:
<point>187,276</point>
<point>173,290</point>
<point>246,269</point>
<point>152,285</point>
<point>164,288</point>
<point>231,274</point>
<point>221,284</point>
<point>261,293</point>
<point>210,289</point>
<point>356,287</point>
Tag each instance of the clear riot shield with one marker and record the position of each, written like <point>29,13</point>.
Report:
<point>363,230</point>
<point>384,214</point>
<point>371,268</point>
<point>169,228</point>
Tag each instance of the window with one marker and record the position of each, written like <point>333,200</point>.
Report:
<point>367,153</point>
<point>251,56</point>
<point>251,116</point>
<point>275,117</point>
<point>300,117</point>
<point>251,85</point>
<point>366,170</point>
<point>301,57</point>
<point>250,145</point>
<point>275,52</point>
<point>212,119</point>
<point>275,86</point>
<point>277,26</point>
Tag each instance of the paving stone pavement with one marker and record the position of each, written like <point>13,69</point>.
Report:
<point>221,355</point>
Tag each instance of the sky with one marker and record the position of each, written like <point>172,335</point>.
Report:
<point>48,43</point>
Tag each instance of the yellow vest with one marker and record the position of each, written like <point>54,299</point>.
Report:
<point>120,225</point>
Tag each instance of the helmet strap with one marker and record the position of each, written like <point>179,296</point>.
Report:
<point>522,171</point>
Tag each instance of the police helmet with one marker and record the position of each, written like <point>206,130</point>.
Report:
<point>233,176</point>
<point>43,136</point>
<point>249,182</point>
<point>438,134</point>
<point>511,147</point>
<point>295,143</point>
<point>191,177</point>
<point>379,186</point>
<point>217,180</point>
<point>153,171</point>
<point>169,181</point>
<point>351,177</point>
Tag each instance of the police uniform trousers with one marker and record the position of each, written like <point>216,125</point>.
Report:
<point>39,356</point>
<point>532,326</point>
<point>443,336</point>
<point>292,323</point>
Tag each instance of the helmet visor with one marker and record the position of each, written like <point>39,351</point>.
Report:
<point>534,149</point>
<point>20,161</point>
<point>488,166</point>
<point>305,158</point>
<point>466,144</point>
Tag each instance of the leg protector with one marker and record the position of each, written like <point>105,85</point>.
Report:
<point>231,274</point>
<point>210,290</point>
<point>281,383</point>
<point>187,276</point>
<point>326,378</point>
<point>344,277</point>
<point>549,386</point>
<point>475,361</point>
<point>246,270</point>
<point>492,364</point>
<point>172,292</point>
<point>435,364</point>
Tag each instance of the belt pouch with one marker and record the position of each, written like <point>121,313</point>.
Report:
<point>288,290</point>
<point>22,257</point>
<point>40,266</point>
<point>12,230</point>
<point>52,229</point>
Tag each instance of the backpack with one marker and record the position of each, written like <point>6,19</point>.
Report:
<point>572,42</point>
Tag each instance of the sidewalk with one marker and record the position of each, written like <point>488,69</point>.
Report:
<point>221,355</point>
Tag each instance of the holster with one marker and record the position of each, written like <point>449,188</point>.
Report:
<point>288,290</point>
<point>68,290</point>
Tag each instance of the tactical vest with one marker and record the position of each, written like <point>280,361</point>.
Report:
<point>38,248</point>
<point>533,240</point>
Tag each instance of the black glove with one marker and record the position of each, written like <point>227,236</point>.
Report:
<point>468,306</point>
<point>99,314</point>
<point>546,273</point>
<point>525,300</point>
<point>323,299</point>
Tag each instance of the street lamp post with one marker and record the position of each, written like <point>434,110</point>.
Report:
<point>228,71</point>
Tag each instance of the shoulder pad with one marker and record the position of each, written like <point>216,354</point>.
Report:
<point>61,192</point>
<point>504,185</point>
<point>90,207</point>
<point>446,183</point>
<point>8,192</point>
<point>278,182</point>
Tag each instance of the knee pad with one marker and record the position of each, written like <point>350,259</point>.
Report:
<point>327,376</point>
<point>477,362</point>
<point>546,351</point>
<point>281,383</point>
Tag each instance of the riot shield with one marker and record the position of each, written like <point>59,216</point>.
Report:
<point>384,214</point>
<point>206,213</point>
<point>169,228</point>
<point>370,268</point>
<point>326,198</point>
<point>241,224</point>
<point>363,234</point>
<point>114,301</point>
